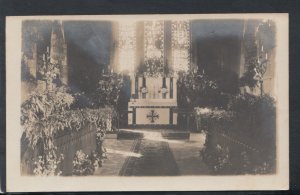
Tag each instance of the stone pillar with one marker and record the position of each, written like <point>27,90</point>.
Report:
<point>58,50</point>
<point>32,63</point>
<point>64,69</point>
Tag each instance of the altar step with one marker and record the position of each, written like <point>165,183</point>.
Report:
<point>129,135</point>
<point>176,135</point>
<point>165,134</point>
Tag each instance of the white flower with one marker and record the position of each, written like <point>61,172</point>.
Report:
<point>164,90</point>
<point>202,110</point>
<point>144,90</point>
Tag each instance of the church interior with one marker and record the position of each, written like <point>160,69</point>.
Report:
<point>151,55</point>
<point>190,96</point>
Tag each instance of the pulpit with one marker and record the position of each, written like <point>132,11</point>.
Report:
<point>153,100</point>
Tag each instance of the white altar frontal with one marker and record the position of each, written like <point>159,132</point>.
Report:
<point>153,101</point>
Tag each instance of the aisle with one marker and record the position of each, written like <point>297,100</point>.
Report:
<point>156,160</point>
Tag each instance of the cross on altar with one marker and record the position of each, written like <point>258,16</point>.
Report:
<point>152,116</point>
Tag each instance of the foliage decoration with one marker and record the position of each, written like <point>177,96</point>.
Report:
<point>49,72</point>
<point>48,164</point>
<point>215,114</point>
<point>154,68</point>
<point>82,164</point>
<point>108,90</point>
<point>39,111</point>
<point>196,89</point>
<point>45,113</point>
<point>241,139</point>
<point>219,159</point>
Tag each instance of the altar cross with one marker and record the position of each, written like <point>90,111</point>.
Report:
<point>152,116</point>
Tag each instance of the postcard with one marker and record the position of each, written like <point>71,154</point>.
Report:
<point>147,102</point>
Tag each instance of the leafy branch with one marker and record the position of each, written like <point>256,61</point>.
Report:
<point>108,90</point>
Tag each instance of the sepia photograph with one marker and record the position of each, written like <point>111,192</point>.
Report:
<point>154,97</point>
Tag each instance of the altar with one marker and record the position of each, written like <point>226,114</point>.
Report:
<point>153,101</point>
<point>152,53</point>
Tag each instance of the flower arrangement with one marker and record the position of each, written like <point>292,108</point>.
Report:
<point>214,114</point>
<point>218,158</point>
<point>144,90</point>
<point>197,89</point>
<point>82,164</point>
<point>164,90</point>
<point>47,165</point>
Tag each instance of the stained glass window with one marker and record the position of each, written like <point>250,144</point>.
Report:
<point>154,45</point>
<point>127,46</point>
<point>181,45</point>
